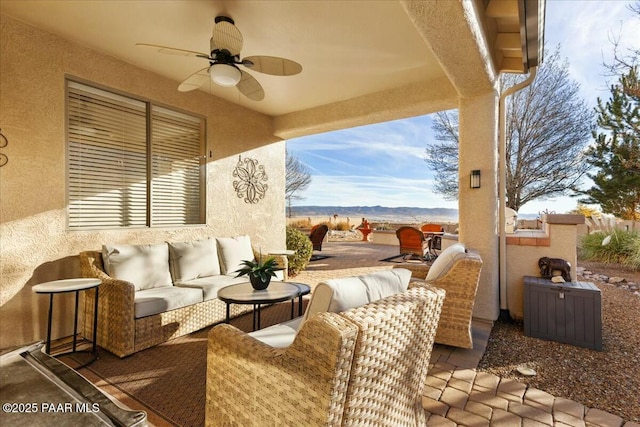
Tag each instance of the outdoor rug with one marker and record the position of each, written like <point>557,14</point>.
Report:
<point>170,378</point>
<point>399,259</point>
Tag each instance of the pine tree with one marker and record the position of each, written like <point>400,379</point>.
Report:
<point>616,153</point>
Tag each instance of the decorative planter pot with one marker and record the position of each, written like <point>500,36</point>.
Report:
<point>257,282</point>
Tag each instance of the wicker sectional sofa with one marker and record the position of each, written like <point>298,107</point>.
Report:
<point>152,293</point>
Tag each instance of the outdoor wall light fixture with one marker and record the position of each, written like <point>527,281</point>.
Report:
<point>475,178</point>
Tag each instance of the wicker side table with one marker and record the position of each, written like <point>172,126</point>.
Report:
<point>64,286</point>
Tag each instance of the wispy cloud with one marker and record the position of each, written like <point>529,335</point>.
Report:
<point>585,29</point>
<point>382,150</point>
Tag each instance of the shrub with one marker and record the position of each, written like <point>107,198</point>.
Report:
<point>300,223</point>
<point>343,226</point>
<point>299,242</point>
<point>623,247</point>
<point>634,255</point>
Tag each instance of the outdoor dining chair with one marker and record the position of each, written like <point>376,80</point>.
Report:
<point>412,242</point>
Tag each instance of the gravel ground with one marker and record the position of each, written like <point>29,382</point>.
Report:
<point>608,380</point>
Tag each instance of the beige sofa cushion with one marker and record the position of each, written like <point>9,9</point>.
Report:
<point>212,284</point>
<point>192,260</point>
<point>445,261</point>
<point>159,300</point>
<point>232,251</point>
<point>146,266</point>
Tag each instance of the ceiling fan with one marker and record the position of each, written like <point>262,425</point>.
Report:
<point>224,59</point>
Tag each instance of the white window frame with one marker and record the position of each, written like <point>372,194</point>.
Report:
<point>132,163</point>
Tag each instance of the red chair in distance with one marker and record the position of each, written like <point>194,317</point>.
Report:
<point>317,234</point>
<point>412,243</point>
<point>433,233</point>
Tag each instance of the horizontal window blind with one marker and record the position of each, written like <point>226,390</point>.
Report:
<point>176,159</point>
<point>110,181</point>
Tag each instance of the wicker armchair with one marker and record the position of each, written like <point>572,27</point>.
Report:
<point>365,366</point>
<point>317,234</point>
<point>459,278</point>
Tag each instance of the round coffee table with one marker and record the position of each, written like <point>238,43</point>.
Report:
<point>243,293</point>
<point>64,286</point>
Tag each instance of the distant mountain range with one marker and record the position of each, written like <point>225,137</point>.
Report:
<point>382,213</point>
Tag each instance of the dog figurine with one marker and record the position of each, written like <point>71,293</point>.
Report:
<point>548,265</point>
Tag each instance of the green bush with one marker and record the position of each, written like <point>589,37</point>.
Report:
<point>299,242</point>
<point>634,255</point>
<point>623,248</point>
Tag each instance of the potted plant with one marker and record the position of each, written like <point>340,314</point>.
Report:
<point>260,272</point>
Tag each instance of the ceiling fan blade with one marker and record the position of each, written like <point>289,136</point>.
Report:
<point>250,87</point>
<point>174,51</point>
<point>226,36</point>
<point>195,80</point>
<point>274,65</point>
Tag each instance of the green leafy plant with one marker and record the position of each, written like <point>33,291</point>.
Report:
<point>259,268</point>
<point>614,247</point>
<point>300,243</point>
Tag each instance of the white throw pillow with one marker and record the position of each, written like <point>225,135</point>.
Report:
<point>146,266</point>
<point>445,261</point>
<point>232,251</point>
<point>381,284</point>
<point>192,260</point>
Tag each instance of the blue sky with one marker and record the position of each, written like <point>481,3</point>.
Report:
<point>383,164</point>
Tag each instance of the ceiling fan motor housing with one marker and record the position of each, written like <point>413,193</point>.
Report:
<point>226,75</point>
<point>224,19</point>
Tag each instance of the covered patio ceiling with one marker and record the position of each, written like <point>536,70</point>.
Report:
<point>363,62</point>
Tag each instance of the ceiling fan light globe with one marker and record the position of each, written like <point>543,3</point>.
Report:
<point>224,74</point>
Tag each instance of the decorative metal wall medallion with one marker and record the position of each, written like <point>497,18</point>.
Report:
<point>251,182</point>
<point>3,143</point>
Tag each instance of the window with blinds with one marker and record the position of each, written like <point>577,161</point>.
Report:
<point>131,163</point>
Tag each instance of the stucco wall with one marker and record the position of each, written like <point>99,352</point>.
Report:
<point>477,206</point>
<point>35,245</point>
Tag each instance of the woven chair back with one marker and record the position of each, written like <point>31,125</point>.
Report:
<point>391,358</point>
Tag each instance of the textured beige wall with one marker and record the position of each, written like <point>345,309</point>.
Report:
<point>35,245</point>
